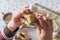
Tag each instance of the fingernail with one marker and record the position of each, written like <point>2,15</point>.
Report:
<point>27,6</point>
<point>44,17</point>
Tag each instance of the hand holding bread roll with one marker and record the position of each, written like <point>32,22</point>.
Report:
<point>29,20</point>
<point>15,21</point>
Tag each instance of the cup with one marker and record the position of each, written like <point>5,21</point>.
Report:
<point>7,17</point>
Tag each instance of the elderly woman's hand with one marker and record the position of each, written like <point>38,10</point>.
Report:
<point>46,30</point>
<point>15,21</point>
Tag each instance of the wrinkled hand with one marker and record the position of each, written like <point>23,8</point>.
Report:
<point>46,30</point>
<point>15,21</point>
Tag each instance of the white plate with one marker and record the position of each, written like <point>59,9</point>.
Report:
<point>31,32</point>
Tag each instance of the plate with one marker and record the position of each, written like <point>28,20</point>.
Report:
<point>31,32</point>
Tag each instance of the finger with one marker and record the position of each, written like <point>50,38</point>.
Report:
<point>38,30</point>
<point>24,25</point>
<point>38,16</point>
<point>43,32</point>
<point>23,11</point>
<point>19,13</point>
<point>46,23</point>
<point>27,6</point>
<point>49,24</point>
<point>43,13</point>
<point>27,11</point>
<point>42,23</point>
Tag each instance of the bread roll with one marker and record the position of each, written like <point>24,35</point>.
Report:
<point>22,36</point>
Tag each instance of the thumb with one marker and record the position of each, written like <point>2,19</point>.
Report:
<point>27,6</point>
<point>38,30</point>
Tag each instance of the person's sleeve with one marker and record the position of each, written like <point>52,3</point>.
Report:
<point>7,34</point>
<point>1,37</point>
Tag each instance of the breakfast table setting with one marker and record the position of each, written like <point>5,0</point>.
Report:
<point>51,7</point>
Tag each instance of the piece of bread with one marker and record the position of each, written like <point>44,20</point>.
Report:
<point>30,18</point>
<point>22,35</point>
<point>30,21</point>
